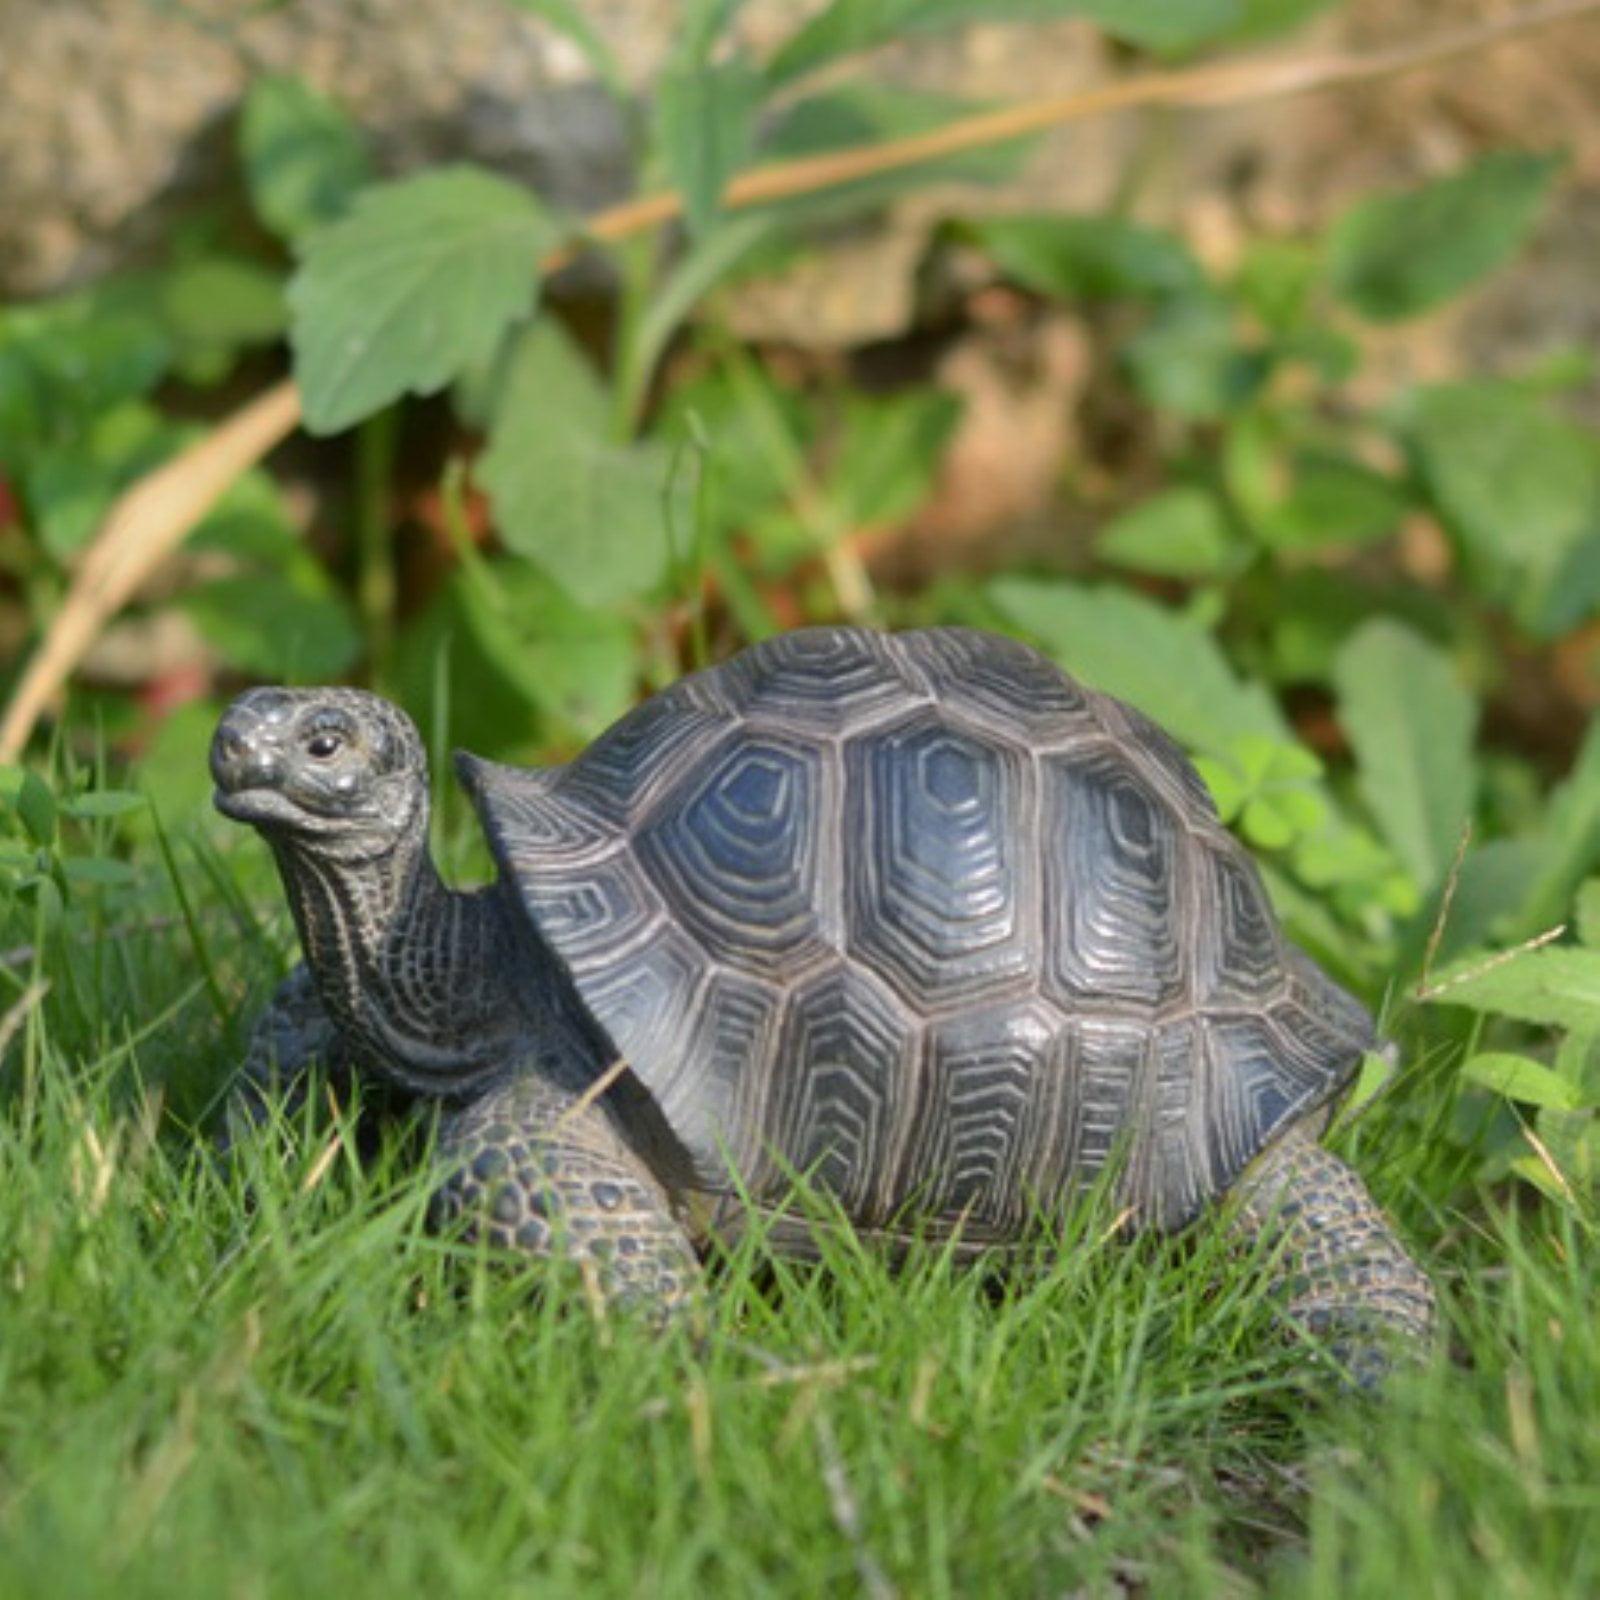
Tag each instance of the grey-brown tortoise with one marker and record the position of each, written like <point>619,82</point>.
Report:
<point>916,919</point>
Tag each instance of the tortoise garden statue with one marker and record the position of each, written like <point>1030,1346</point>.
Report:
<point>915,918</point>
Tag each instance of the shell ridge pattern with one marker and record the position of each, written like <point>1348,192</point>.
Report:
<point>926,920</point>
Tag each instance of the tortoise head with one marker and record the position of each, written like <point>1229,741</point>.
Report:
<point>338,772</point>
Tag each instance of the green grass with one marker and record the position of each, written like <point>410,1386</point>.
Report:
<point>268,1378</point>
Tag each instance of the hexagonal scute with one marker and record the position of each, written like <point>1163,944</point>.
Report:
<point>1332,1008</point>
<point>648,1003</point>
<point>1110,1061</point>
<point>1173,1172</point>
<point>1003,685</point>
<point>819,680</point>
<point>1260,1083</point>
<point>593,914</point>
<point>1163,760</point>
<point>715,1096</point>
<point>1114,931</point>
<point>742,857</point>
<point>940,900</point>
<point>530,820</point>
<point>1239,955</point>
<point>842,1085</point>
<point>972,1128</point>
<point>640,757</point>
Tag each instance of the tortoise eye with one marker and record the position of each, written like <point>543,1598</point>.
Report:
<point>324,746</point>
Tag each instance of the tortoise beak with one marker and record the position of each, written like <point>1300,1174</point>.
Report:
<point>248,759</point>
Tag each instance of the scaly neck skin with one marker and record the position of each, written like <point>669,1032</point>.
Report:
<point>407,968</point>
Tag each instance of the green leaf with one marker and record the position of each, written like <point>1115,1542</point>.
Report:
<point>417,284</point>
<point>1521,1078</point>
<point>1569,838</point>
<point>1334,501</point>
<point>1586,913</point>
<point>890,449</point>
<point>1130,647</point>
<point>1265,19</point>
<point>1190,360</point>
<point>1394,255</point>
<point>872,113</point>
<point>69,488</point>
<point>1411,725</point>
<point>36,806</point>
<point>271,627</point>
<point>1090,258</point>
<point>592,512</point>
<point>99,804</point>
<point>1180,533</point>
<point>1557,988</point>
<point>65,361</point>
<point>1166,25</point>
<point>576,665</point>
<point>215,305</point>
<point>1515,483</point>
<point>100,872</point>
<point>304,159</point>
<point>848,26</point>
<point>1377,1073</point>
<point>705,120</point>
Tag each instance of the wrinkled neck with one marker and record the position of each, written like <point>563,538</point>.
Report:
<point>407,968</point>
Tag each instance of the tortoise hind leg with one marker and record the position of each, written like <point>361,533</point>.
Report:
<point>534,1169</point>
<point>1349,1279</point>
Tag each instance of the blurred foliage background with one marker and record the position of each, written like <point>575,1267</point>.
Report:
<point>1254,468</point>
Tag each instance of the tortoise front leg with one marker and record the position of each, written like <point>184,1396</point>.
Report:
<point>1348,1278</point>
<point>535,1169</point>
<point>292,1045</point>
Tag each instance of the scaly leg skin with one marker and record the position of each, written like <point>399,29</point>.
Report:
<point>1349,1279</point>
<point>534,1170</point>
<point>291,1038</point>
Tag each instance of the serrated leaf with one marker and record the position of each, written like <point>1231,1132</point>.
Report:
<point>418,283</point>
<point>304,160</point>
<point>1180,533</point>
<point>591,511</point>
<point>1130,647</point>
<point>1395,255</point>
<point>1558,988</point>
<point>1087,257</point>
<point>1516,483</point>
<point>1411,725</point>
<point>705,122</point>
<point>1521,1078</point>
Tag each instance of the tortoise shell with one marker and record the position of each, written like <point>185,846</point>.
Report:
<point>924,919</point>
